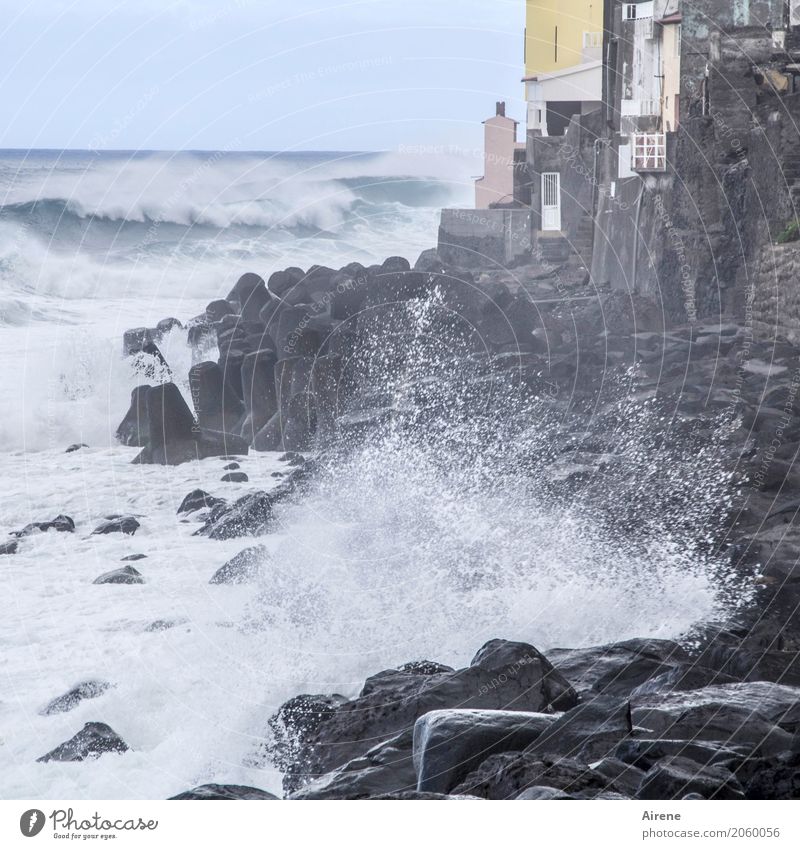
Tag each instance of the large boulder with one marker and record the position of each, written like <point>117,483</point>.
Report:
<point>387,768</point>
<point>216,403</point>
<point>118,525</point>
<point>93,740</point>
<point>674,777</point>
<point>616,669</point>
<point>247,566</point>
<point>250,294</point>
<point>62,524</point>
<point>123,575</point>
<point>175,437</point>
<point>198,499</point>
<point>448,744</point>
<point>589,731</point>
<point>502,676</point>
<point>9,547</point>
<point>758,716</point>
<point>258,388</point>
<point>223,792</point>
<point>134,428</point>
<point>507,775</point>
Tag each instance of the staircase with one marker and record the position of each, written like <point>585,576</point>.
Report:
<point>581,254</point>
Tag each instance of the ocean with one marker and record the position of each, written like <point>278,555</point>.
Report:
<point>401,557</point>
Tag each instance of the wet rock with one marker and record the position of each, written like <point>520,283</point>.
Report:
<point>93,740</point>
<point>503,676</point>
<point>71,699</point>
<point>759,716</point>
<point>771,778</point>
<point>118,525</point>
<point>133,557</point>
<point>225,792</point>
<point>9,547</point>
<point>235,477</point>
<point>259,392</point>
<point>621,777</point>
<point>618,668</point>
<point>251,515</point>
<point>134,429</point>
<point>643,753</point>
<point>125,575</point>
<point>250,293</point>
<point>218,309</point>
<point>589,731</point>
<point>198,499</point>
<point>216,402</point>
<point>542,794</point>
<point>448,744</point>
<point>674,777</point>
<point>76,446</point>
<point>63,524</point>
<point>506,775</point>
<point>244,568</point>
<point>387,768</point>
<point>231,467</point>
<point>291,727</point>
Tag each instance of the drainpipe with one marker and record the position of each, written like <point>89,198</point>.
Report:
<point>636,238</point>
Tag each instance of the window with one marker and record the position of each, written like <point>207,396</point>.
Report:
<point>649,152</point>
<point>592,40</point>
<point>629,12</point>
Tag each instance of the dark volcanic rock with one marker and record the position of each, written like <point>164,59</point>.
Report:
<point>225,792</point>
<point>125,575</point>
<point>134,428</point>
<point>9,547</point>
<point>118,525</point>
<point>235,477</point>
<point>387,768</point>
<point>771,778</point>
<point>589,731</point>
<point>759,716</point>
<point>448,744</point>
<point>198,499</point>
<point>216,401</point>
<point>292,725</point>
<point>93,740</point>
<point>251,515</point>
<point>133,557</point>
<point>618,668</point>
<point>71,699</point>
<point>63,524</point>
<point>244,568</point>
<point>645,753</point>
<point>674,777</point>
<point>502,676</point>
<point>76,446</point>
<point>542,794</point>
<point>506,775</point>
<point>250,293</point>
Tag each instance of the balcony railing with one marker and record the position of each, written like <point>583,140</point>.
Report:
<point>649,152</point>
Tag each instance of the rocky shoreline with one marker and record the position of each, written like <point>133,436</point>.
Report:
<point>315,363</point>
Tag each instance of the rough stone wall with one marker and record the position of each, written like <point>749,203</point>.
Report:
<point>484,238</point>
<point>775,298</point>
<point>572,155</point>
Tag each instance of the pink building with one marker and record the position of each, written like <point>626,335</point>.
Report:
<point>500,141</point>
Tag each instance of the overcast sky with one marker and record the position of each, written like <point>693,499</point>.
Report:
<point>256,74</point>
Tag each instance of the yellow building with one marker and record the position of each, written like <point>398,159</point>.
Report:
<point>563,61</point>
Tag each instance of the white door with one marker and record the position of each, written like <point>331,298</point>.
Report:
<point>551,201</point>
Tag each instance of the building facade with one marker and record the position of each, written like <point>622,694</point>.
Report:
<point>563,62</point>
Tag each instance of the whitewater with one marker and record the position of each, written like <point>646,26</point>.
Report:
<point>409,549</point>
